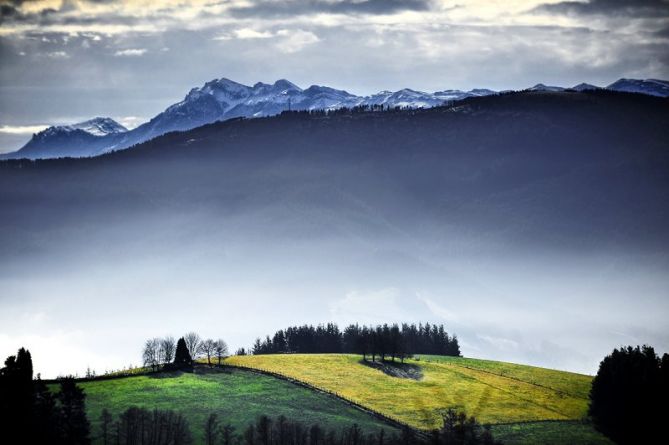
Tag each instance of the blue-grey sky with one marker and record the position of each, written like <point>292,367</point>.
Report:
<point>63,61</point>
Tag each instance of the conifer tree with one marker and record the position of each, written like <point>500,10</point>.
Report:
<point>182,358</point>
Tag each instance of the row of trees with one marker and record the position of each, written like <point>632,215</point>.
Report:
<point>394,341</point>
<point>160,352</point>
<point>33,413</point>
<point>158,427</point>
<point>357,109</point>
<point>137,426</point>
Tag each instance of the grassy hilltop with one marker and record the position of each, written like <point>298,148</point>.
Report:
<point>493,393</point>
<point>524,404</point>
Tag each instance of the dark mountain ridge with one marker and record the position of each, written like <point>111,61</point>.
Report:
<point>223,99</point>
<point>563,169</point>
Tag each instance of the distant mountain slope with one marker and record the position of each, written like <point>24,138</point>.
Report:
<point>653,87</point>
<point>579,167</point>
<point>546,88</point>
<point>76,140</point>
<point>223,99</point>
<point>219,100</point>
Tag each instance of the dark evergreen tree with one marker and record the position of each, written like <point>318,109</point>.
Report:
<point>212,430</point>
<point>228,435</point>
<point>74,425</point>
<point>45,417</point>
<point>105,426</point>
<point>257,347</point>
<point>182,358</point>
<point>16,390</point>
<point>264,430</point>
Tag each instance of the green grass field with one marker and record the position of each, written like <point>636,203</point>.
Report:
<point>239,397</point>
<point>494,392</point>
<point>564,432</point>
<point>524,404</point>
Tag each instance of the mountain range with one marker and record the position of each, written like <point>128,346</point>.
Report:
<point>224,99</point>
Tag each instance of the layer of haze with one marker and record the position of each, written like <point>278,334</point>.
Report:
<point>94,301</point>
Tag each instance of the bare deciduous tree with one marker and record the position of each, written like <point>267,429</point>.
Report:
<point>193,344</point>
<point>150,355</point>
<point>220,349</point>
<point>167,348</point>
<point>208,348</point>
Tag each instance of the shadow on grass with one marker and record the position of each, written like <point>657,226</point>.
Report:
<point>165,374</point>
<point>396,369</point>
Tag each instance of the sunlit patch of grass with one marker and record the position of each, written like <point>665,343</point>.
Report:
<point>577,385</point>
<point>492,393</point>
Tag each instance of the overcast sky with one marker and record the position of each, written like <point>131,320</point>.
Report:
<point>64,61</point>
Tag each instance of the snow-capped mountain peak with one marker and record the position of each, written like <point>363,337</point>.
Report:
<point>585,87</point>
<point>284,86</point>
<point>222,99</point>
<point>654,87</point>
<point>542,87</point>
<point>99,126</point>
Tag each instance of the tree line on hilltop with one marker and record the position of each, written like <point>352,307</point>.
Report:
<point>384,341</point>
<point>167,353</point>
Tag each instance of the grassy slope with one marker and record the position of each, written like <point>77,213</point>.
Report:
<point>494,392</point>
<point>239,397</point>
<point>566,432</point>
<point>562,382</point>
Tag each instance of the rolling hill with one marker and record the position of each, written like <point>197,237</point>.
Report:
<point>523,404</point>
<point>237,396</point>
<point>482,390</point>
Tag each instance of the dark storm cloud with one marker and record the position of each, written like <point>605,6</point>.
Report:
<point>272,8</point>
<point>7,11</point>
<point>612,8</point>
<point>663,33</point>
<point>51,17</point>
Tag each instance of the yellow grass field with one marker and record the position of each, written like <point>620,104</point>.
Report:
<point>494,392</point>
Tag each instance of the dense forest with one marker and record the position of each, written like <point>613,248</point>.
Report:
<point>383,341</point>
